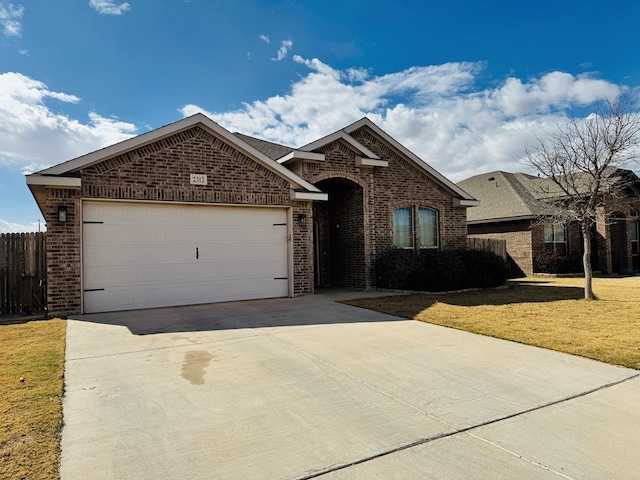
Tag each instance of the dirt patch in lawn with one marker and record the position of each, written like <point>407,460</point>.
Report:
<point>31,382</point>
<point>545,312</point>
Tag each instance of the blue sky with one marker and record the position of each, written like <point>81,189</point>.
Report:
<point>464,84</point>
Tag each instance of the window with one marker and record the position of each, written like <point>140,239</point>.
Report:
<point>635,236</point>
<point>555,239</point>
<point>425,231</point>
<point>428,227</point>
<point>403,227</point>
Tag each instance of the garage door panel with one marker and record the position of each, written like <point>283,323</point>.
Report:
<point>201,254</point>
<point>213,273</point>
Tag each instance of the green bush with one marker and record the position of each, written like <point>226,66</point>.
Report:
<point>549,262</point>
<point>393,267</point>
<point>483,269</point>
<point>439,270</point>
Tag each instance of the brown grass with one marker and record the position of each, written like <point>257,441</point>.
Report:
<point>546,312</point>
<point>31,411</point>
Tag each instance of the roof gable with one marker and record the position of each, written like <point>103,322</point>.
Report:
<point>339,135</point>
<point>168,130</point>
<point>464,198</point>
<point>65,175</point>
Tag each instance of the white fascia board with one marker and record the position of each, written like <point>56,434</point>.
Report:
<point>408,153</point>
<point>458,202</point>
<point>172,129</point>
<point>54,181</point>
<point>309,196</point>
<point>124,146</point>
<point>370,162</point>
<point>340,134</point>
<point>300,155</point>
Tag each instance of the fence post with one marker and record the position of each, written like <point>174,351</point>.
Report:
<point>22,272</point>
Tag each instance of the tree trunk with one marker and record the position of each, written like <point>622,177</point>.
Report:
<point>586,261</point>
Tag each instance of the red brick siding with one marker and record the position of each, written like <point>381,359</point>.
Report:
<point>383,189</point>
<point>518,235</point>
<point>303,248</point>
<point>63,252</point>
<point>525,240</point>
<point>161,172</point>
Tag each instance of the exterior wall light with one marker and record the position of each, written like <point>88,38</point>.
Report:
<point>62,213</point>
<point>302,219</point>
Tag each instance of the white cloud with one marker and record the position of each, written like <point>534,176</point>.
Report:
<point>436,111</point>
<point>109,7</point>
<point>10,16</point>
<point>283,51</point>
<point>264,38</point>
<point>7,227</point>
<point>34,136</point>
<point>553,90</point>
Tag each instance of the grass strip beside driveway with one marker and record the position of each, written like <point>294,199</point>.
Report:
<point>545,312</point>
<point>31,408</point>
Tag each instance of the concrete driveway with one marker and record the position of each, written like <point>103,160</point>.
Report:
<point>309,388</point>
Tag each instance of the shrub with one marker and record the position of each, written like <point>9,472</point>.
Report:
<point>483,269</point>
<point>549,262</point>
<point>393,268</point>
<point>439,270</point>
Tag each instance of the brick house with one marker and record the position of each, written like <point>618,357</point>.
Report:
<point>192,213</point>
<point>510,210</point>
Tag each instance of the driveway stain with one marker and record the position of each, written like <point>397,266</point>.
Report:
<point>194,366</point>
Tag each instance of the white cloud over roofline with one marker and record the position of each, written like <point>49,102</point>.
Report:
<point>436,111</point>
<point>34,136</point>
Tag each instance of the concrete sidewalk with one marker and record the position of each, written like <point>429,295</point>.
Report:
<point>309,388</point>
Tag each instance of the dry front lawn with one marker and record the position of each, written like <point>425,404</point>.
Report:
<point>31,410</point>
<point>546,312</point>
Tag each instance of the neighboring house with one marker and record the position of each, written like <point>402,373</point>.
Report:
<point>510,209</point>
<point>192,213</point>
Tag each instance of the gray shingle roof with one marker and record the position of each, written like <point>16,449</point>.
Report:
<point>505,195</point>
<point>502,196</point>
<point>272,150</point>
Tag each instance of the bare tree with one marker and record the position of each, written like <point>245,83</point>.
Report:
<point>582,163</point>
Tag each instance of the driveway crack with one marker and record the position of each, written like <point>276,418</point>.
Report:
<point>454,430</point>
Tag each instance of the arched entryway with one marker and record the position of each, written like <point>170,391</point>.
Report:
<point>338,235</point>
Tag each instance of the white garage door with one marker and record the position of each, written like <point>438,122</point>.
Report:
<point>138,255</point>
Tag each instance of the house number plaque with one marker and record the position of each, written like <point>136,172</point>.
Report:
<point>197,179</point>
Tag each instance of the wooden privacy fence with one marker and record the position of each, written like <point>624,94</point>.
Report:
<point>23,272</point>
<point>495,245</point>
